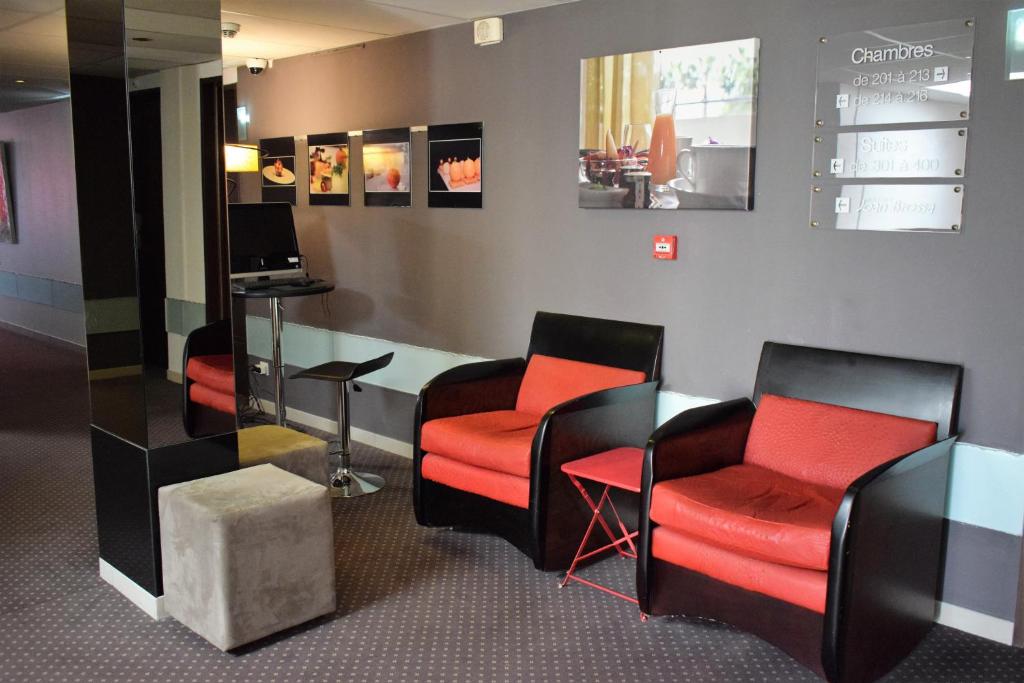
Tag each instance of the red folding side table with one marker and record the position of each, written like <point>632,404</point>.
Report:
<point>619,468</point>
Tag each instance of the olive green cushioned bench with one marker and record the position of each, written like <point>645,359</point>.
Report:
<point>288,449</point>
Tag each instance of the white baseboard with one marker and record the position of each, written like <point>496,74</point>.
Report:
<point>385,443</point>
<point>984,625</point>
<point>140,597</point>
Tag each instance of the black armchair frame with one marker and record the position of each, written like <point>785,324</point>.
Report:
<point>199,420</point>
<point>885,554</point>
<point>550,530</point>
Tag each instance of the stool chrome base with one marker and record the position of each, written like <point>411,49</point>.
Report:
<point>348,484</point>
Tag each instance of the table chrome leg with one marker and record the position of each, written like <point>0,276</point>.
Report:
<point>276,322</point>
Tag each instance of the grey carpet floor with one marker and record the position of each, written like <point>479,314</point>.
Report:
<point>414,604</point>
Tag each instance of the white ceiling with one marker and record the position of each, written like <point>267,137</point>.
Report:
<point>33,34</point>
<point>33,48</point>
<point>272,29</point>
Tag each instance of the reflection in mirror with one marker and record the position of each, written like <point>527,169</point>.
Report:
<point>103,180</point>
<point>150,194</point>
<point>176,114</point>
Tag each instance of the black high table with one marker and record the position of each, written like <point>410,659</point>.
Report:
<point>274,295</point>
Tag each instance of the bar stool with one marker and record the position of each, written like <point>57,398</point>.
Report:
<point>345,483</point>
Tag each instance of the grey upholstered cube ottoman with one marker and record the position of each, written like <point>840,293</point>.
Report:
<point>246,554</point>
<point>290,450</point>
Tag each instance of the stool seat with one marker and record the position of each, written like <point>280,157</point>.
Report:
<point>346,482</point>
<point>344,371</point>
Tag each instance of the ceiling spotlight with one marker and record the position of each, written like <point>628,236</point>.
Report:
<point>20,81</point>
<point>229,29</point>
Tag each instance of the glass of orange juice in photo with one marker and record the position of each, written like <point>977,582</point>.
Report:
<point>661,160</point>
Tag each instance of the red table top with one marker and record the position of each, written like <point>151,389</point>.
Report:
<point>619,467</point>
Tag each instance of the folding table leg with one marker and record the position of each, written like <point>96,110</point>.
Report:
<point>596,509</point>
<point>590,529</point>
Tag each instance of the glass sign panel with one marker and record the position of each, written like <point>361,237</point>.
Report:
<point>927,153</point>
<point>1015,44</point>
<point>893,207</point>
<point>916,73</point>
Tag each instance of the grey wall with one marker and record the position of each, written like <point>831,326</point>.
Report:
<point>470,281</point>
<point>41,275</point>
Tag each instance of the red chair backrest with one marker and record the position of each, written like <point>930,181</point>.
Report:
<point>549,381</point>
<point>828,444</point>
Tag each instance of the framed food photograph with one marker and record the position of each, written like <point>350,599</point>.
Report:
<point>7,232</point>
<point>454,165</point>
<point>328,169</point>
<point>386,166</point>
<point>277,169</point>
<point>669,129</point>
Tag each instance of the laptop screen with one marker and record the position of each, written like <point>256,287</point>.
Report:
<point>262,239</point>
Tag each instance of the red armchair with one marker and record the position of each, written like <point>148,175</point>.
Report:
<point>208,384</point>
<point>812,515</point>
<point>490,437</point>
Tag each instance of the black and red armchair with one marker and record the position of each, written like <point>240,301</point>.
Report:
<point>208,384</point>
<point>490,437</point>
<point>812,515</point>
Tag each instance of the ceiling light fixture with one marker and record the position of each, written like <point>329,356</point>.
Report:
<point>20,81</point>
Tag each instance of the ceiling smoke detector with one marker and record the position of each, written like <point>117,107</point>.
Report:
<point>229,29</point>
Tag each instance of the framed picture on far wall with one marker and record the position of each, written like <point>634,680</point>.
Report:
<point>328,169</point>
<point>277,169</point>
<point>678,135</point>
<point>386,167</point>
<point>455,165</point>
<point>7,233</point>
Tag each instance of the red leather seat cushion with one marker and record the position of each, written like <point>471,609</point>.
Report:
<point>216,372</point>
<point>505,488</point>
<point>204,395</point>
<point>549,381</point>
<point>828,444</point>
<point>500,441</point>
<point>803,587</point>
<point>753,511</point>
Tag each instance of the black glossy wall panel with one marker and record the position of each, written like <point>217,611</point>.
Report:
<point>123,507</point>
<point>127,478</point>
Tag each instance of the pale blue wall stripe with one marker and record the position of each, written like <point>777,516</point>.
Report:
<point>987,488</point>
<point>985,483</point>
<point>181,317</point>
<point>8,284</point>
<point>38,290</point>
<point>66,296</point>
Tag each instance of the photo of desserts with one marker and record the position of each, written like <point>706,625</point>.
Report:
<point>328,170</point>
<point>386,167</point>
<point>455,165</point>
<point>279,170</point>
<point>329,163</point>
